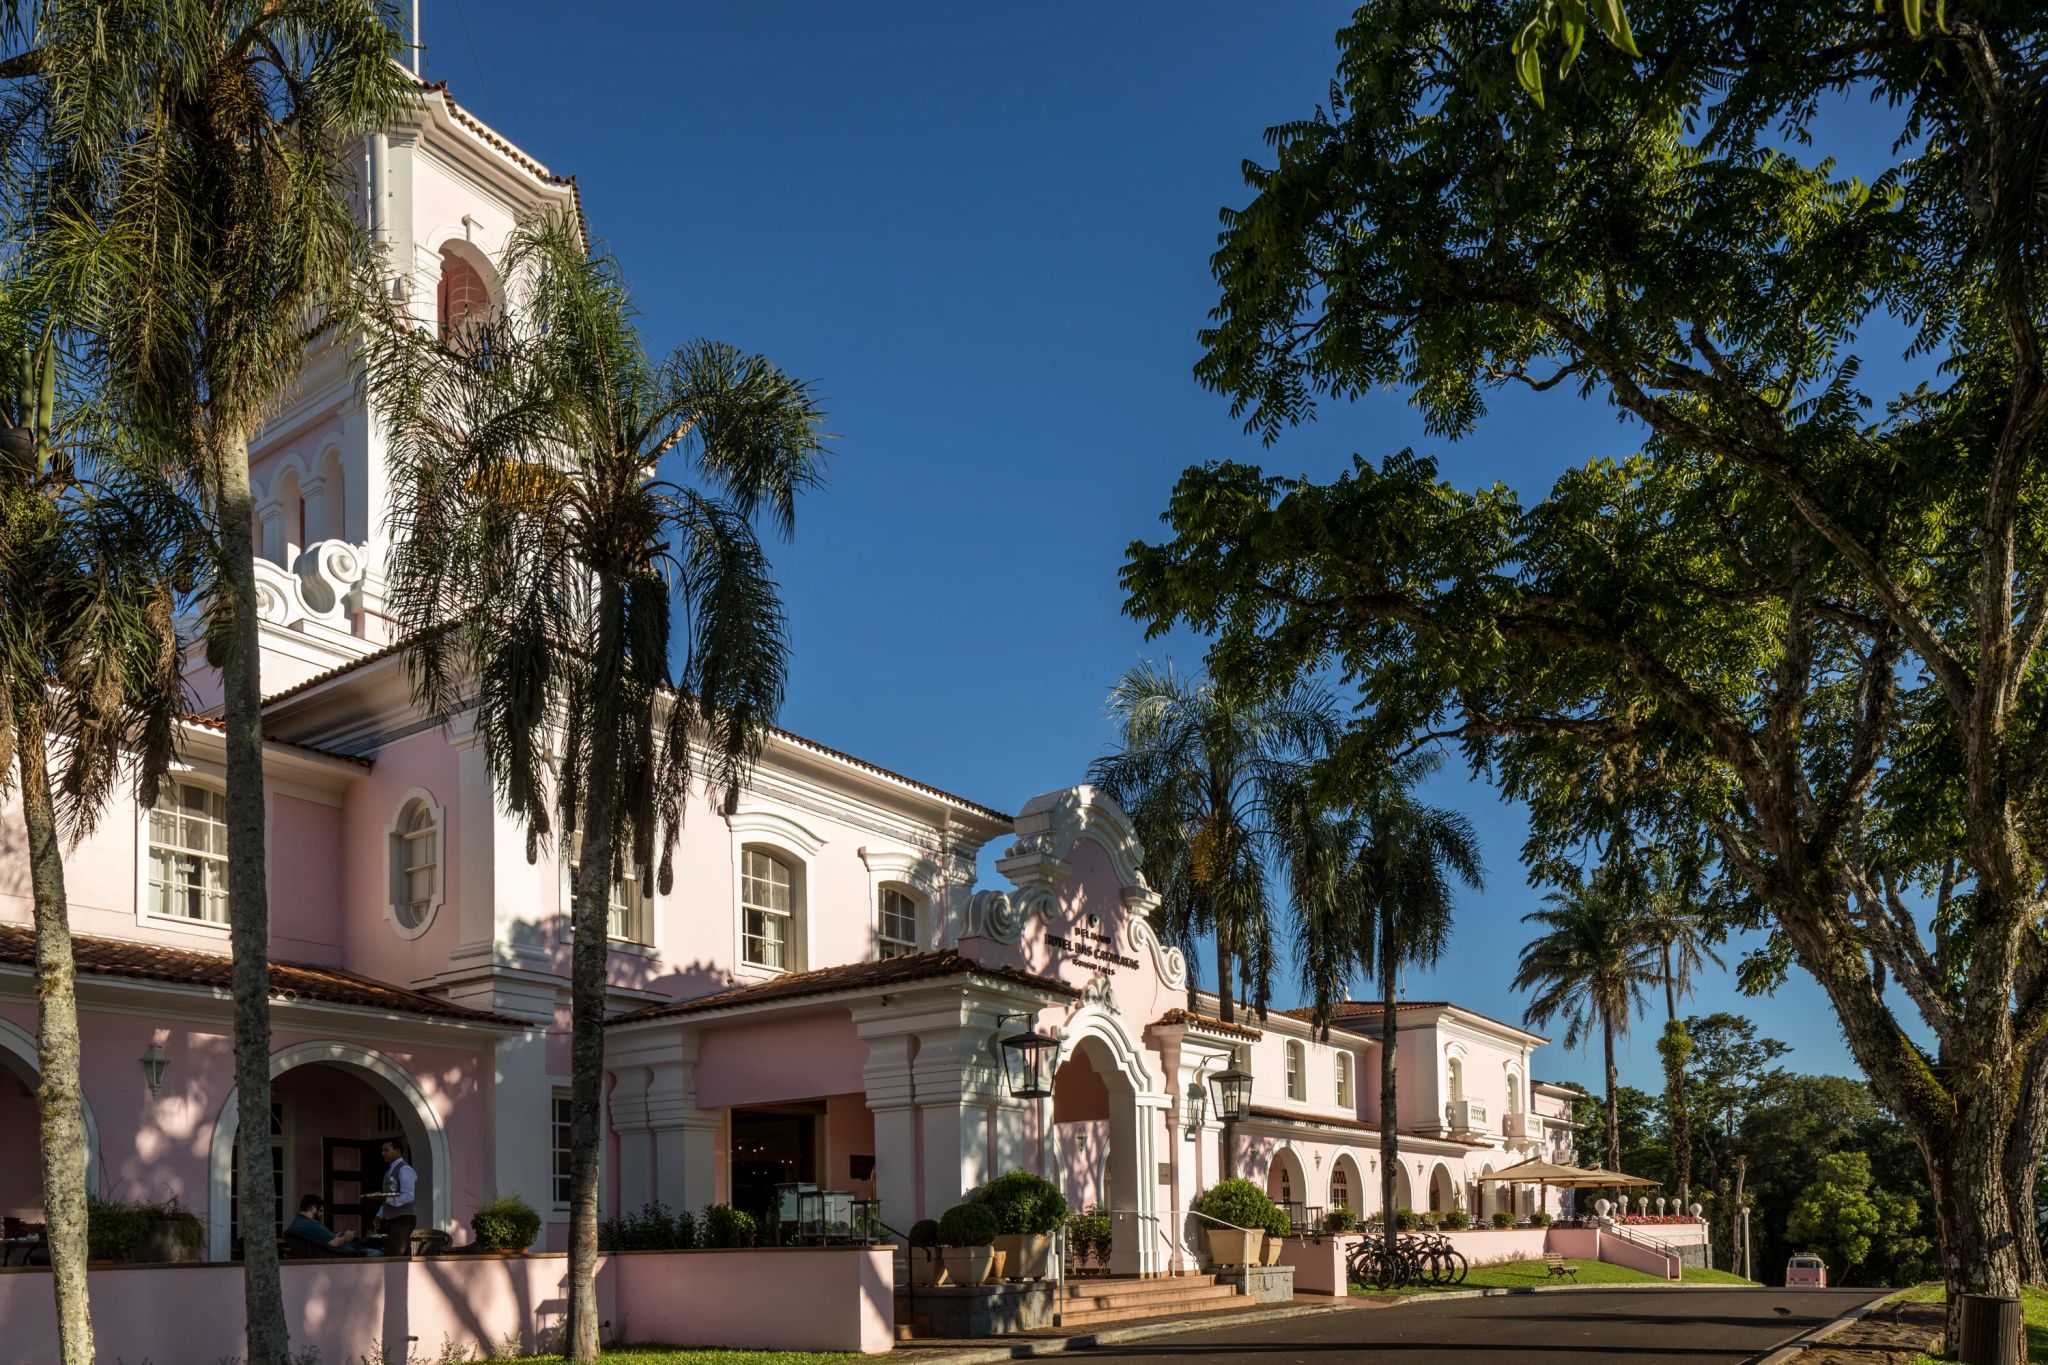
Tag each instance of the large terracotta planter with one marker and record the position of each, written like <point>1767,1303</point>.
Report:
<point>1229,1246</point>
<point>927,1269</point>
<point>1026,1255</point>
<point>971,1265</point>
<point>1273,1247</point>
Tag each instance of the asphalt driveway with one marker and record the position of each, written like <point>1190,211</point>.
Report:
<point>1611,1326</point>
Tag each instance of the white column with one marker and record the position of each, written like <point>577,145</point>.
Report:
<point>520,1099</point>
<point>270,538</point>
<point>954,1082</point>
<point>313,492</point>
<point>891,1099</point>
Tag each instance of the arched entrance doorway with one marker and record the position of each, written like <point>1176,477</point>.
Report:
<point>1443,1191</point>
<point>1347,1185</point>
<point>1287,1182</point>
<point>331,1105</point>
<point>1102,1151</point>
<point>21,1182</point>
<point>1404,1188</point>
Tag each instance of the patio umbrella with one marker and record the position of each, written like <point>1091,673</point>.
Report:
<point>1541,1173</point>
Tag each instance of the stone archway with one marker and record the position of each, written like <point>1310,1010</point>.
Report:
<point>18,1055</point>
<point>390,1081</point>
<point>1101,1140</point>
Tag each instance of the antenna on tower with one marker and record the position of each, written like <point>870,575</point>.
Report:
<point>417,46</point>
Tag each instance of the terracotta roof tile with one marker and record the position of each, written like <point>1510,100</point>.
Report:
<point>894,971</point>
<point>1203,1021</point>
<point>289,980</point>
<point>526,163</point>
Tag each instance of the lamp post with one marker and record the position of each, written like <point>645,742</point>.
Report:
<point>1233,1102</point>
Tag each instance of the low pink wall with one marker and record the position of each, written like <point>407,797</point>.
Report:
<point>1489,1247</point>
<point>350,1309</point>
<point>773,1298</point>
<point>1591,1244</point>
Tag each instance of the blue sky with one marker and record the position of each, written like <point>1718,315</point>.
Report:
<point>984,232</point>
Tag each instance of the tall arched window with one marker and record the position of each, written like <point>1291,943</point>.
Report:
<point>1297,1082</point>
<point>1343,1080</point>
<point>462,294</point>
<point>1284,1188</point>
<point>188,853</point>
<point>415,865</point>
<point>1514,1093</point>
<point>1457,1070</point>
<point>769,906</point>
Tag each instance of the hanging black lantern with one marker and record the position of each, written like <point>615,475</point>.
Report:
<point>1029,1061</point>
<point>1233,1094</point>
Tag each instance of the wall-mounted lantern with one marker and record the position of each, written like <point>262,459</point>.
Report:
<point>1030,1060</point>
<point>1233,1094</point>
<point>153,1064</point>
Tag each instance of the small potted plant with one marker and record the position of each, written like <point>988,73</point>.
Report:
<point>927,1271</point>
<point>507,1225</point>
<point>1340,1219</point>
<point>1247,1211</point>
<point>1278,1230</point>
<point>1539,1220</point>
<point>1028,1210</point>
<point>1503,1220</point>
<point>1090,1234</point>
<point>1457,1220</point>
<point>968,1234</point>
<point>1406,1220</point>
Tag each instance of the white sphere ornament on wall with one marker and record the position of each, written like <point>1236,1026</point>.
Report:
<point>1697,1209</point>
<point>1601,1206</point>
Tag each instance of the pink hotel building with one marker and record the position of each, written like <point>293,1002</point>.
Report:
<point>822,996</point>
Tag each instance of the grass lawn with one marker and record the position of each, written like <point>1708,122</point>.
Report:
<point>680,1355</point>
<point>1524,1274</point>
<point>2033,1307</point>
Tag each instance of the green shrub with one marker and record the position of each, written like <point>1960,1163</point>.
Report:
<point>1503,1219</point>
<point>118,1231</point>
<point>1278,1224</point>
<point>722,1225</point>
<point>1457,1220</point>
<point>967,1225</point>
<point>1339,1219</point>
<point>1023,1203</point>
<point>654,1228</point>
<point>507,1223</point>
<point>1405,1220</point>
<point>924,1232</point>
<point>1239,1203</point>
<point>1539,1220</point>
<point>1089,1233</point>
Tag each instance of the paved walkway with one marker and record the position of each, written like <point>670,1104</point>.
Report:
<point>1613,1327</point>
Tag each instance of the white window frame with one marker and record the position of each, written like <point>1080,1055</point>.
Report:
<point>144,894</point>
<point>793,915</point>
<point>557,1098</point>
<point>627,876</point>
<point>773,832</point>
<point>909,873</point>
<point>1337,1174</point>
<point>1296,1071</point>
<point>396,869</point>
<point>1345,1070</point>
<point>889,945</point>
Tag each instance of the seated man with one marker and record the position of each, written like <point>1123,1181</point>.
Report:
<point>307,1227</point>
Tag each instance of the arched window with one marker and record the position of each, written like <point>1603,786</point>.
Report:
<point>463,294</point>
<point>1340,1189</point>
<point>769,906</point>
<point>1514,1093</point>
<point>1297,1082</point>
<point>188,853</point>
<point>1343,1080</point>
<point>895,923</point>
<point>415,865</point>
<point>1284,1185</point>
<point>1457,1079</point>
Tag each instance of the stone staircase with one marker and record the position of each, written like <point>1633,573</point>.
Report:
<point>1088,1302</point>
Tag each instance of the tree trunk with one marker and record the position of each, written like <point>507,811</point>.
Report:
<point>2023,1164</point>
<point>1389,1130</point>
<point>249,906</point>
<point>1613,1104</point>
<point>590,915</point>
<point>58,1086</point>
<point>1979,1254</point>
<point>1226,972</point>
<point>1738,1259</point>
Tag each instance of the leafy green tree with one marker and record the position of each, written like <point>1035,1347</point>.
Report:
<point>547,565</point>
<point>1843,1216</point>
<point>1807,615</point>
<point>1374,887</point>
<point>1205,773</point>
<point>90,688</point>
<point>1590,967</point>
<point>199,151</point>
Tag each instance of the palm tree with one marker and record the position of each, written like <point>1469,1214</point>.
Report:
<point>540,561</point>
<point>1676,923</point>
<point>1591,967</point>
<point>88,654</point>
<point>1373,890</point>
<point>203,149</point>
<point>1204,773</point>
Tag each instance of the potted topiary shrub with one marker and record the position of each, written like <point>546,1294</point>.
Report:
<point>968,1234</point>
<point>1539,1220</point>
<point>1028,1210</point>
<point>506,1225</point>
<point>1502,1219</point>
<point>1340,1219</point>
<point>1457,1220</point>
<point>1245,1207</point>
<point>1406,1220</point>
<point>926,1269</point>
<point>1278,1229</point>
